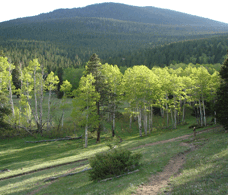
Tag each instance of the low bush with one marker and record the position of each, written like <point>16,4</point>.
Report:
<point>112,163</point>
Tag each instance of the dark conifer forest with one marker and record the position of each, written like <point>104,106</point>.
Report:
<point>120,34</point>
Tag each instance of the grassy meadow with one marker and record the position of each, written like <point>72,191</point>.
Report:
<point>205,170</point>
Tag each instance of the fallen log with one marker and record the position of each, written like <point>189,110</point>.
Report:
<point>65,175</point>
<point>53,140</point>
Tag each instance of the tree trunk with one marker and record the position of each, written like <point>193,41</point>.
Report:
<point>145,120</point>
<point>151,119</point>
<point>175,113</point>
<point>10,91</point>
<point>167,112</point>
<point>113,120</point>
<point>162,112</point>
<point>183,116</point>
<point>201,114</point>
<point>35,97</point>
<point>130,124</point>
<point>204,113</point>
<point>49,109</point>
<point>140,121</point>
<point>99,126</point>
<point>41,100</point>
<point>171,112</point>
<point>86,128</point>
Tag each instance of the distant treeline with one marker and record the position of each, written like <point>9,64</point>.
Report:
<point>53,56</point>
<point>202,51</point>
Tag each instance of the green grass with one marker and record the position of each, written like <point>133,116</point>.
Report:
<point>205,168</point>
<point>16,154</point>
<point>154,159</point>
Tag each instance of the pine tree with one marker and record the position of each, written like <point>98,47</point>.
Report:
<point>94,67</point>
<point>221,105</point>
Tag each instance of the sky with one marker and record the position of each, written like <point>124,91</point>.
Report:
<point>215,10</point>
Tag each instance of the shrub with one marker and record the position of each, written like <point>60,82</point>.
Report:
<point>112,163</point>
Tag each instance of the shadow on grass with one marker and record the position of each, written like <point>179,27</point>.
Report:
<point>205,171</point>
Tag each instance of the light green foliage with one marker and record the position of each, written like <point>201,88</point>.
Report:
<point>51,81</point>
<point>66,86</point>
<point>7,89</point>
<point>84,104</point>
<point>113,78</point>
<point>5,73</point>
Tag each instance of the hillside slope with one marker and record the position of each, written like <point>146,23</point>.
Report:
<point>108,29</point>
<point>124,12</point>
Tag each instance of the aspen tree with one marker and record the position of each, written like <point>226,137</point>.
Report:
<point>113,78</point>
<point>50,84</point>
<point>84,104</point>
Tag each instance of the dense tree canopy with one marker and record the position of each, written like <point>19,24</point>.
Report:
<point>221,105</point>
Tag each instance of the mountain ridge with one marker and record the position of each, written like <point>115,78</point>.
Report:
<point>116,29</point>
<point>147,14</point>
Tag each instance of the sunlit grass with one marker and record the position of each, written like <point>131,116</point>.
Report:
<point>206,169</point>
<point>20,157</point>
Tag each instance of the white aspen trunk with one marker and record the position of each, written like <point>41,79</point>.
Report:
<point>204,112</point>
<point>145,120</point>
<point>62,121</point>
<point>31,111</point>
<point>10,91</point>
<point>21,92</point>
<point>86,129</point>
<point>41,100</point>
<point>35,97</point>
<point>183,115</point>
<point>175,113</point>
<point>201,114</point>
<point>130,122</point>
<point>49,109</point>
<point>140,121</point>
<point>167,112</point>
<point>87,121</point>
<point>151,119</point>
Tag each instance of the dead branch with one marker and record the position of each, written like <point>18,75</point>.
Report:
<point>27,130</point>
<point>65,175</point>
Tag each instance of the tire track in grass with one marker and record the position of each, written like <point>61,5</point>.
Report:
<point>183,137</point>
<point>157,182</point>
<point>41,169</point>
<point>68,163</point>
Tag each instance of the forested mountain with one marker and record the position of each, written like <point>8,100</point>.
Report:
<point>124,12</point>
<point>68,37</point>
<point>202,51</point>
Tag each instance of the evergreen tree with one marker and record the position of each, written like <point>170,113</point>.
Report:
<point>4,111</point>
<point>94,67</point>
<point>221,105</point>
<point>60,76</point>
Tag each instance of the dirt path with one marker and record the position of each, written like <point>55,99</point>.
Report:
<point>162,179</point>
<point>157,182</point>
<point>183,137</point>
